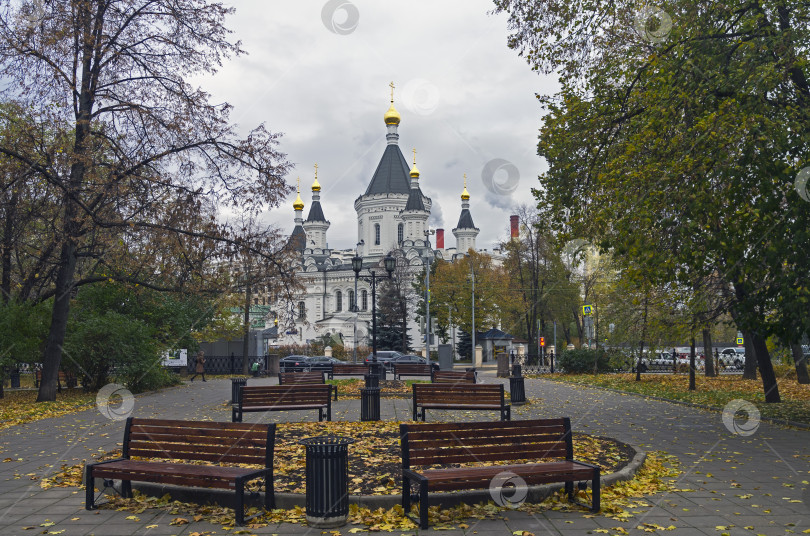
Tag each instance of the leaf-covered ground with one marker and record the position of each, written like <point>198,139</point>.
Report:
<point>621,502</point>
<point>350,388</point>
<point>718,392</point>
<point>374,458</point>
<point>20,406</point>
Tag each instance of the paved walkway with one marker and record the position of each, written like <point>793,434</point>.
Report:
<point>756,484</point>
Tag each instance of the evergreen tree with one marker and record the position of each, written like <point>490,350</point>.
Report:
<point>464,346</point>
<point>392,318</point>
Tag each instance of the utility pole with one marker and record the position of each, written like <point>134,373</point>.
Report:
<point>428,264</point>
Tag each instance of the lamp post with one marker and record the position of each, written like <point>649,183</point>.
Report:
<point>428,259</point>
<point>390,264</point>
<point>355,308</point>
<point>472,274</point>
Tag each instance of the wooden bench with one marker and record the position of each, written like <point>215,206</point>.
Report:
<point>453,376</point>
<point>172,441</point>
<point>66,378</point>
<point>411,369</point>
<point>459,396</point>
<point>347,370</point>
<point>304,378</point>
<point>540,451</point>
<point>284,398</point>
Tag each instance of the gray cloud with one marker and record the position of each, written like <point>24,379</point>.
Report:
<point>327,92</point>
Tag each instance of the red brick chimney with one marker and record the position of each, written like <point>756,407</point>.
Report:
<point>439,238</point>
<point>513,224</point>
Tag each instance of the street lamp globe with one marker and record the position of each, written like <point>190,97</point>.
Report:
<point>390,264</point>
<point>357,264</point>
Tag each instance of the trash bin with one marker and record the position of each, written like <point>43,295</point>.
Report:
<point>372,380</point>
<point>370,404</point>
<point>15,379</point>
<point>517,370</point>
<point>236,384</point>
<point>327,480</point>
<point>517,390</point>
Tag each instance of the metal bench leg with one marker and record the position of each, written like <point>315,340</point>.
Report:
<point>415,413</point>
<point>240,502</point>
<point>423,414</point>
<point>269,492</point>
<point>596,492</point>
<point>423,504</point>
<point>89,489</point>
<point>126,489</point>
<point>406,494</point>
<point>569,489</point>
<point>329,413</point>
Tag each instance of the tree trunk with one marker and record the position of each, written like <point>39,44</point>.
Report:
<point>246,334</point>
<point>8,244</point>
<point>769,385</point>
<point>708,357</point>
<point>59,319</point>
<point>751,357</point>
<point>801,364</point>
<point>692,386</point>
<point>641,344</point>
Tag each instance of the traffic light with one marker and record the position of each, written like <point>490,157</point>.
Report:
<point>542,341</point>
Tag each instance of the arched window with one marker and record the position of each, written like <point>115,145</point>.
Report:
<point>339,301</point>
<point>364,300</point>
<point>400,232</point>
<point>302,310</point>
<point>351,300</point>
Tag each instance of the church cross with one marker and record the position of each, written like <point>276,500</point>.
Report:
<point>414,156</point>
<point>392,91</point>
<point>316,170</point>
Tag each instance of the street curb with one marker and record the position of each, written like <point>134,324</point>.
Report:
<point>288,500</point>
<point>770,420</point>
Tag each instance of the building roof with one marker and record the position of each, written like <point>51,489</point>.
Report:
<point>316,212</point>
<point>298,238</point>
<point>415,201</point>
<point>392,175</point>
<point>494,333</point>
<point>465,221</point>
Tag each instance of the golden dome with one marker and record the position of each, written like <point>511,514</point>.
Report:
<point>465,195</point>
<point>414,171</point>
<point>392,116</point>
<point>299,204</point>
<point>316,186</point>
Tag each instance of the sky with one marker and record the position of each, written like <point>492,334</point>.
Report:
<point>319,72</point>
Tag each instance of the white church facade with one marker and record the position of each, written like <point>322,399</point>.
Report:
<point>392,217</point>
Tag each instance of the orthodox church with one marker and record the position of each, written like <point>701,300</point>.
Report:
<point>392,218</point>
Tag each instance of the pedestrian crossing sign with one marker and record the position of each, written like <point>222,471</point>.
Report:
<point>740,341</point>
<point>587,309</point>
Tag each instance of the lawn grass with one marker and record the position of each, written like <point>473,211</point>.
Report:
<point>715,392</point>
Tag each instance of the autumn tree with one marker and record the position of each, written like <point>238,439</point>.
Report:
<point>677,139</point>
<point>148,161</point>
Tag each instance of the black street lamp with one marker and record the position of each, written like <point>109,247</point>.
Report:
<point>390,264</point>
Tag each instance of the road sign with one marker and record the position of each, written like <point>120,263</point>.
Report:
<point>740,341</point>
<point>587,309</point>
<point>542,341</point>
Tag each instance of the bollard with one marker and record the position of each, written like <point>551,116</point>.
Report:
<point>517,390</point>
<point>370,404</point>
<point>327,480</point>
<point>236,385</point>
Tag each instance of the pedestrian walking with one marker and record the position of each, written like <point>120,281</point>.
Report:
<point>200,365</point>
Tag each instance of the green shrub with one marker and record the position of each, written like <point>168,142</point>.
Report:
<point>582,361</point>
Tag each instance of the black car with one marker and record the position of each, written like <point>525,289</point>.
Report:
<point>294,363</point>
<point>323,363</point>
<point>412,360</point>
<point>384,356</point>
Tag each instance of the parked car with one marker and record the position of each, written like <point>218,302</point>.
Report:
<point>323,363</point>
<point>294,363</point>
<point>384,356</point>
<point>732,357</point>
<point>411,359</point>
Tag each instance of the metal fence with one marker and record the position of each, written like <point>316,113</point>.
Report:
<point>226,364</point>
